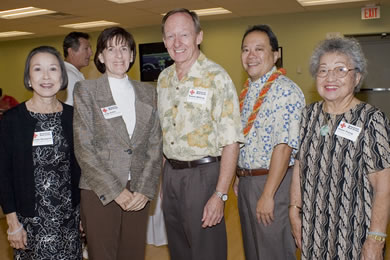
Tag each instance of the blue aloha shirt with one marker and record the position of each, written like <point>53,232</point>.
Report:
<point>278,121</point>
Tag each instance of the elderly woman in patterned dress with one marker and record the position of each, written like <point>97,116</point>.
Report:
<point>39,174</point>
<point>340,190</point>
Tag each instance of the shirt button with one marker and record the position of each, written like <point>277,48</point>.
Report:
<point>177,88</point>
<point>174,124</point>
<point>175,106</point>
<point>172,142</point>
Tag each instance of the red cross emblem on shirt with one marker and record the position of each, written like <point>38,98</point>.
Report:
<point>192,92</point>
<point>342,125</point>
<point>104,110</point>
<point>35,136</point>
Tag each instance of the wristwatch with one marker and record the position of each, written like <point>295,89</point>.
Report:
<point>223,197</point>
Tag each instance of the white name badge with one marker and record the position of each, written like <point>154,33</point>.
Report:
<point>348,131</point>
<point>197,96</point>
<point>43,138</point>
<point>111,111</point>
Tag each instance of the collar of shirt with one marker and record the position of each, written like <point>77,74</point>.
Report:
<point>122,83</point>
<point>71,67</point>
<point>195,70</point>
<point>263,79</point>
<point>253,93</point>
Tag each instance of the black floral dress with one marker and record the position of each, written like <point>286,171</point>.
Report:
<point>53,232</point>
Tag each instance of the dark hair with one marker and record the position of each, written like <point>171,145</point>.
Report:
<point>273,41</point>
<point>192,14</point>
<point>72,41</point>
<point>120,35</point>
<point>50,50</point>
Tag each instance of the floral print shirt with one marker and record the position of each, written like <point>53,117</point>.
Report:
<point>277,121</point>
<point>199,114</point>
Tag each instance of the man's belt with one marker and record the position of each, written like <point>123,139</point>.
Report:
<point>240,172</point>
<point>176,164</point>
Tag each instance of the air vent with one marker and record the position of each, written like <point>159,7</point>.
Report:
<point>59,16</point>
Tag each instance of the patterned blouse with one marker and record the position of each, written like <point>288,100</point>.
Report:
<point>336,192</point>
<point>277,121</point>
<point>199,114</point>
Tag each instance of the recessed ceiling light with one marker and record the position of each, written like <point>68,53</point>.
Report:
<point>13,34</point>
<point>24,12</point>
<point>326,2</point>
<point>209,11</point>
<point>124,1</point>
<point>89,24</point>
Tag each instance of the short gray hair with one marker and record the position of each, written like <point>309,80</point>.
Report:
<point>192,14</point>
<point>342,45</point>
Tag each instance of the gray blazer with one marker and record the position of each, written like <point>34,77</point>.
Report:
<point>103,148</point>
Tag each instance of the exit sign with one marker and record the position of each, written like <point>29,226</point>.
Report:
<point>371,12</point>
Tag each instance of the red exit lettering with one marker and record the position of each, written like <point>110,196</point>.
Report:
<point>370,12</point>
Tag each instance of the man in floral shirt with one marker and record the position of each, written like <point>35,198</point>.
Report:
<point>271,107</point>
<point>200,120</point>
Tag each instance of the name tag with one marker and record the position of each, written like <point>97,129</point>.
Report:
<point>43,138</point>
<point>197,96</point>
<point>111,111</point>
<point>348,131</point>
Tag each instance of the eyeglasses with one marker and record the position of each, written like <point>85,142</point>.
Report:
<point>339,72</point>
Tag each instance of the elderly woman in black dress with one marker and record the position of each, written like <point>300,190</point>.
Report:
<point>341,180</point>
<point>38,172</point>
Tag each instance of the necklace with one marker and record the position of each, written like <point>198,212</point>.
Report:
<point>324,130</point>
<point>259,101</point>
<point>43,108</point>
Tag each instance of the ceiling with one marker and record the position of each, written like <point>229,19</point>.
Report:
<point>139,14</point>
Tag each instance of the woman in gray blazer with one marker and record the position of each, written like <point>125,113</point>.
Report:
<point>118,145</point>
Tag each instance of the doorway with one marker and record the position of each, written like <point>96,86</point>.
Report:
<point>376,87</point>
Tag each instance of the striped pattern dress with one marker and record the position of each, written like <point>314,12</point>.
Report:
<point>336,192</point>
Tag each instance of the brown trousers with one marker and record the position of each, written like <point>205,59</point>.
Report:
<point>185,193</point>
<point>113,234</point>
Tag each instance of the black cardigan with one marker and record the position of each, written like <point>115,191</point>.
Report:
<point>17,186</point>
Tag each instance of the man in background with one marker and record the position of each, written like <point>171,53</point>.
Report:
<point>199,115</point>
<point>77,53</point>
